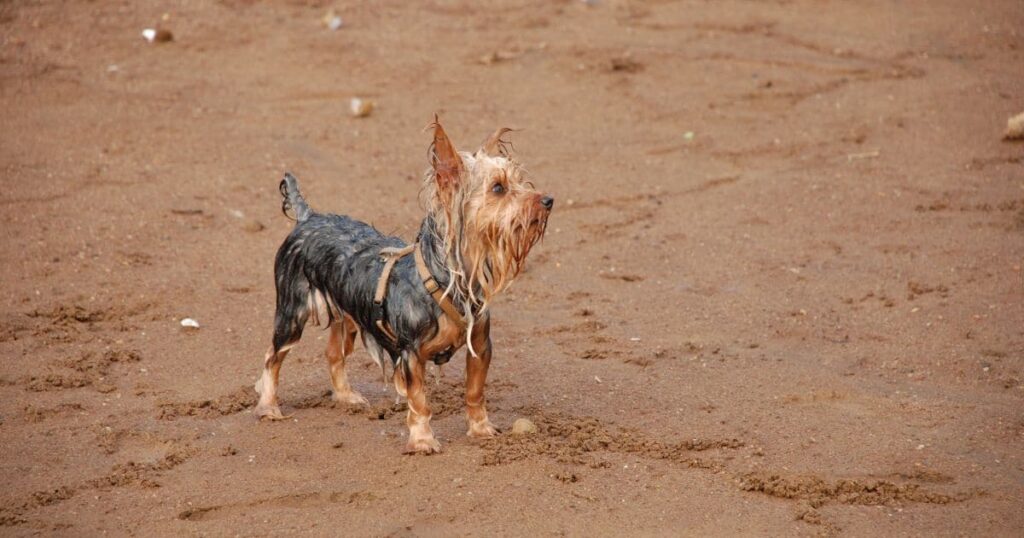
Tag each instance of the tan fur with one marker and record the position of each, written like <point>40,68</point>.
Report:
<point>494,145</point>
<point>266,385</point>
<point>486,236</point>
<point>340,343</point>
<point>476,377</point>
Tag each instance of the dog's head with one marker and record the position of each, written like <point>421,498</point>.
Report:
<point>488,214</point>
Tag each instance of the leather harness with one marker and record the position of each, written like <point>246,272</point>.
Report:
<point>391,257</point>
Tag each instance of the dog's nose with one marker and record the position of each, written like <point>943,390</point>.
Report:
<point>548,202</point>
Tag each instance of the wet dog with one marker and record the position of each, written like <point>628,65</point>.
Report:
<point>409,303</point>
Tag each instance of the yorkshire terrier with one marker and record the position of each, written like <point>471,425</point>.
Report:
<point>483,217</point>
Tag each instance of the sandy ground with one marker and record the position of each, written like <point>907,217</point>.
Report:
<point>780,294</point>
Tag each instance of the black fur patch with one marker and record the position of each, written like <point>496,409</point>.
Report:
<point>340,257</point>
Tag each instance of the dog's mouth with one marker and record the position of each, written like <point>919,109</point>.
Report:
<point>531,228</point>
<point>535,227</point>
<point>540,218</point>
<point>540,224</point>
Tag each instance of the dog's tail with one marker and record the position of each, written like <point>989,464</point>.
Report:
<point>293,199</point>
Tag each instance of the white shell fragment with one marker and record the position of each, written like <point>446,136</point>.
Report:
<point>153,35</point>
<point>332,21</point>
<point>360,108</point>
<point>190,323</point>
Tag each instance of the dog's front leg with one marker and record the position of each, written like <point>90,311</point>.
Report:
<point>476,378</point>
<point>421,437</point>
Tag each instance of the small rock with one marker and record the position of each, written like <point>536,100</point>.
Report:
<point>253,226</point>
<point>190,323</point>
<point>523,426</point>
<point>360,108</point>
<point>1015,128</point>
<point>497,56</point>
<point>157,36</point>
<point>625,64</point>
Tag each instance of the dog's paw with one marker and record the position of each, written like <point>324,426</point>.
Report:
<point>351,397</point>
<point>425,446</point>
<point>270,412</point>
<point>482,430</point>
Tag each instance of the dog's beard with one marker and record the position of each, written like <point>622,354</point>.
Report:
<point>496,255</point>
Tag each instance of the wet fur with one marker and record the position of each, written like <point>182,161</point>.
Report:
<point>339,259</point>
<point>474,240</point>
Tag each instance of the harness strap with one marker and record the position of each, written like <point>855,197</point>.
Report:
<point>433,289</point>
<point>391,257</point>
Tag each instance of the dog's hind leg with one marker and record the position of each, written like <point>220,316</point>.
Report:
<point>293,307</point>
<point>266,385</point>
<point>376,353</point>
<point>340,343</point>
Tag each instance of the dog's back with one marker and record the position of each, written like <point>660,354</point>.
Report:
<point>332,262</point>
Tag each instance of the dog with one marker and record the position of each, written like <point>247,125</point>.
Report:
<point>483,216</point>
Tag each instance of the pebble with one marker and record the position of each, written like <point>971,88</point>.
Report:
<point>157,36</point>
<point>1015,128</point>
<point>523,426</point>
<point>360,108</point>
<point>332,21</point>
<point>253,226</point>
<point>498,56</point>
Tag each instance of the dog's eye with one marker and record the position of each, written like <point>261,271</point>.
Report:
<point>498,188</point>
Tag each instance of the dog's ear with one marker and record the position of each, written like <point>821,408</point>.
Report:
<point>494,145</point>
<point>445,160</point>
